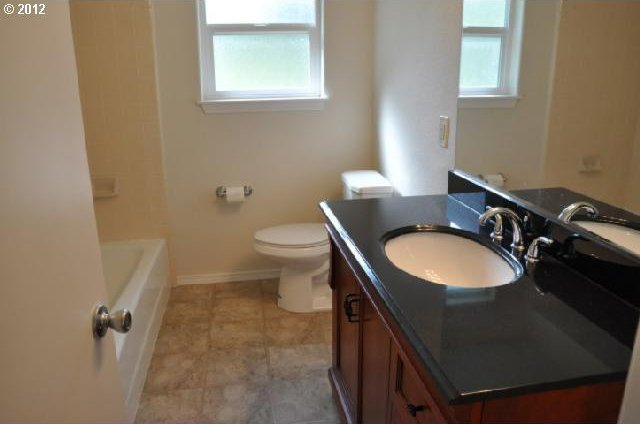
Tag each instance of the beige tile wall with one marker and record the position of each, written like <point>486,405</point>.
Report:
<point>116,69</point>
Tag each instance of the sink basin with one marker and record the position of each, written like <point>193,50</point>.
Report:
<point>449,258</point>
<point>619,234</point>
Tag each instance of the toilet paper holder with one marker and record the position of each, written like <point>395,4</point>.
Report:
<point>221,191</point>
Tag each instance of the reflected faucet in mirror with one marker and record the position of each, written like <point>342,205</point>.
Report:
<point>573,209</point>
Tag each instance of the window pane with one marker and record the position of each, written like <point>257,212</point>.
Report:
<point>262,61</point>
<point>260,11</point>
<point>480,67</point>
<point>484,13</point>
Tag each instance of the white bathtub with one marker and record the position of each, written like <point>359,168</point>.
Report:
<point>137,278</point>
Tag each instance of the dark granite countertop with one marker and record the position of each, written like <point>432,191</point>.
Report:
<point>543,331</point>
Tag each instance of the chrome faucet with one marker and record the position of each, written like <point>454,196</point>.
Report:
<point>497,233</point>
<point>533,253</point>
<point>513,218</point>
<point>567,213</point>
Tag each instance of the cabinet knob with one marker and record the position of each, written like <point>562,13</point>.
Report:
<point>414,409</point>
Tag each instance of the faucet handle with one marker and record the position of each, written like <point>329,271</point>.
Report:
<point>533,253</point>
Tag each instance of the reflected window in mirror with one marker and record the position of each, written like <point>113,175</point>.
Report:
<point>491,44</point>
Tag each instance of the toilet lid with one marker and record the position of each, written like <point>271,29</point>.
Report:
<point>293,235</point>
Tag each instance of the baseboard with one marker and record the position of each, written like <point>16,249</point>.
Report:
<point>227,277</point>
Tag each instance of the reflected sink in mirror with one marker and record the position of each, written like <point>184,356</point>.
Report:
<point>449,257</point>
<point>621,235</point>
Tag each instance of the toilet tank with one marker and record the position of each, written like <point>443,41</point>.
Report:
<point>365,184</point>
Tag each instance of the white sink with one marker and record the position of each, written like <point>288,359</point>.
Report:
<point>449,259</point>
<point>620,235</point>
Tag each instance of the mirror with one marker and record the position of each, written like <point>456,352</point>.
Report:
<point>568,128</point>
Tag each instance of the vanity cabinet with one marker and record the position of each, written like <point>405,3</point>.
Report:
<point>377,378</point>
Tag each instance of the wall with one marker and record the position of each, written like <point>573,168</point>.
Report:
<point>512,140</point>
<point>116,70</point>
<point>417,60</point>
<point>596,97</point>
<point>293,160</point>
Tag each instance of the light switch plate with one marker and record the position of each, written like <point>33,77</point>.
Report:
<point>444,132</point>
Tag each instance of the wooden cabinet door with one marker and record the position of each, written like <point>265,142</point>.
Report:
<point>409,400</point>
<point>376,351</point>
<point>346,343</point>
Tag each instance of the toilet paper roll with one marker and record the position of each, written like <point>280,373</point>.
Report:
<point>235,195</point>
<point>496,180</point>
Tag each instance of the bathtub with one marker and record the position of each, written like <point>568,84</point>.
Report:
<point>137,278</point>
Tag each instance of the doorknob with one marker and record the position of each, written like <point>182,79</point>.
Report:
<point>102,321</point>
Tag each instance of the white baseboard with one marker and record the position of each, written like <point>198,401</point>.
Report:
<point>227,277</point>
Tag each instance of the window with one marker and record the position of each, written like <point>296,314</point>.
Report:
<point>260,50</point>
<point>491,39</point>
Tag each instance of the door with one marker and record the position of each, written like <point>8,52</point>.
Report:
<point>409,400</point>
<point>376,347</point>
<point>51,367</point>
<point>346,306</point>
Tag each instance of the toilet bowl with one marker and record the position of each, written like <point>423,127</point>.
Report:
<point>303,249</point>
<point>303,252</point>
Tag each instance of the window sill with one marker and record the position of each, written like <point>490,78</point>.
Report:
<point>263,105</point>
<point>488,102</point>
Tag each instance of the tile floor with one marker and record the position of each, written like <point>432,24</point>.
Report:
<point>226,354</point>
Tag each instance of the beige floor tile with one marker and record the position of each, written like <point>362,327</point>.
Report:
<point>238,289</point>
<point>176,371</point>
<point>293,331</point>
<point>186,312</point>
<point>192,293</point>
<point>237,404</point>
<point>236,334</point>
<point>324,322</point>
<point>298,361</point>
<point>181,406</point>
<point>218,360</point>
<point>302,400</point>
<point>183,337</point>
<point>237,309</point>
<point>270,286</point>
<point>271,309</point>
<point>238,365</point>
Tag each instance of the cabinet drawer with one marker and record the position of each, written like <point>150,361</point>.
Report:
<point>410,401</point>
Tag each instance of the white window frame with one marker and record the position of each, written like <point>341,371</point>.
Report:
<point>213,101</point>
<point>506,94</point>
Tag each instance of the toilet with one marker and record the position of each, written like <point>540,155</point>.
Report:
<point>303,249</point>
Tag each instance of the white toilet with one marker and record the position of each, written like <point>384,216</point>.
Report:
<point>303,249</point>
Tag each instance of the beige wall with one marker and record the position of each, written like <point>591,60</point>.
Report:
<point>115,59</point>
<point>417,61</point>
<point>512,141</point>
<point>596,98</point>
<point>293,160</point>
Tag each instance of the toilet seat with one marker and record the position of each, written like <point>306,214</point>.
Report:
<point>287,252</point>
<point>292,236</point>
